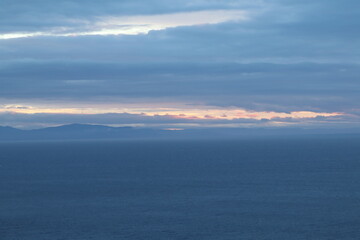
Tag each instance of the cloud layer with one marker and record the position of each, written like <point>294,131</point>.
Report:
<point>134,25</point>
<point>278,56</point>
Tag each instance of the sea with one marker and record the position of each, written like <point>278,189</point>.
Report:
<point>288,188</point>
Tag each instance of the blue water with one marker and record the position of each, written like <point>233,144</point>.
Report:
<point>255,189</point>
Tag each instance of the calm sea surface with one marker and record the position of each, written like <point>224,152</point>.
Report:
<point>255,189</point>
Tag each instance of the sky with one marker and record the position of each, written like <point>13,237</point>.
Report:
<point>180,63</point>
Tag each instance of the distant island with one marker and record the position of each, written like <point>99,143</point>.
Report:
<point>99,132</point>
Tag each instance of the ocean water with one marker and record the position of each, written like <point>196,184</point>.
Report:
<point>250,189</point>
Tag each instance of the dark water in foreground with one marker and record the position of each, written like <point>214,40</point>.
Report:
<point>269,189</point>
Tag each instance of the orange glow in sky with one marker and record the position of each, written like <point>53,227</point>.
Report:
<point>201,112</point>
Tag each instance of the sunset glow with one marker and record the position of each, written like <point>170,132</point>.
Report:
<point>201,113</point>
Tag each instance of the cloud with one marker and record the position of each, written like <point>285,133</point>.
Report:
<point>256,86</point>
<point>264,56</point>
<point>16,107</point>
<point>39,120</point>
<point>207,113</point>
<point>134,25</point>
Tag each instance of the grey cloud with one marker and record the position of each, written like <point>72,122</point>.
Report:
<point>293,55</point>
<point>302,86</point>
<point>22,15</point>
